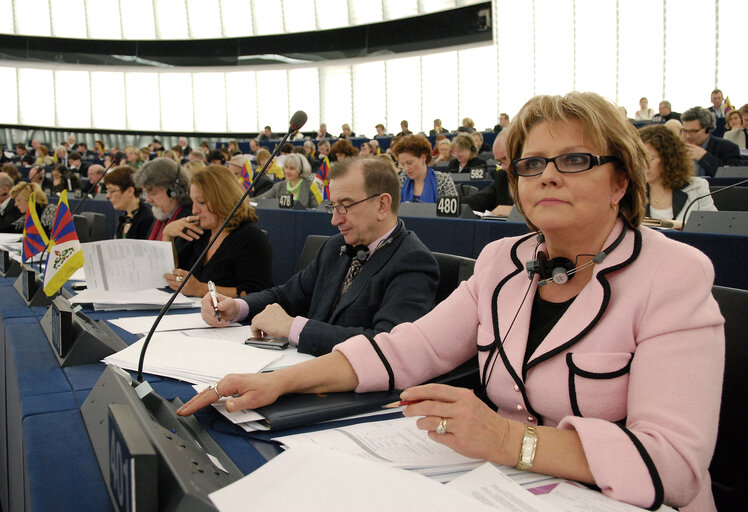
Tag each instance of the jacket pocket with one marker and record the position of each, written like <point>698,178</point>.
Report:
<point>598,384</point>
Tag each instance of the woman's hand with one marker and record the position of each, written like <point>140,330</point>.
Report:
<point>245,391</point>
<point>192,287</point>
<point>186,227</point>
<point>472,428</point>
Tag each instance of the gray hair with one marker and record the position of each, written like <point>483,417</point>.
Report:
<point>667,104</point>
<point>302,164</point>
<point>6,180</point>
<point>162,172</point>
<point>700,114</point>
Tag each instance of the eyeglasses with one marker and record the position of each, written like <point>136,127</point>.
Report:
<point>694,131</point>
<point>342,209</point>
<point>113,191</point>
<point>566,163</point>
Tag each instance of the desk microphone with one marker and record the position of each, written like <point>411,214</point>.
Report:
<point>685,214</point>
<point>297,121</point>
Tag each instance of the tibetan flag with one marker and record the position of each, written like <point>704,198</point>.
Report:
<point>727,107</point>
<point>317,189</point>
<point>322,175</point>
<point>65,255</point>
<point>246,174</point>
<point>34,238</point>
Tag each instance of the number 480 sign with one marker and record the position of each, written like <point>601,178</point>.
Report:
<point>448,206</point>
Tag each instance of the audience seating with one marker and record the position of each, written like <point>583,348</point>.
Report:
<point>486,156</point>
<point>311,246</point>
<point>732,172</point>
<point>728,469</point>
<point>82,227</point>
<point>730,200</point>
<point>464,190</point>
<point>96,226</point>
<point>452,271</point>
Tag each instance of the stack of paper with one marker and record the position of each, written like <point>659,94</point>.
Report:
<point>182,322</point>
<point>142,299</point>
<point>193,359</point>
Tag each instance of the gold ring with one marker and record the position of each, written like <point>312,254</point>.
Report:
<point>441,428</point>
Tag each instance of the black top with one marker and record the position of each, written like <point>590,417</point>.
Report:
<point>141,222</point>
<point>473,163</point>
<point>491,196</point>
<point>9,216</point>
<point>543,318</point>
<point>75,183</point>
<point>243,260</point>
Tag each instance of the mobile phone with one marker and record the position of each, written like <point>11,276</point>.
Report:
<point>78,286</point>
<point>268,342</point>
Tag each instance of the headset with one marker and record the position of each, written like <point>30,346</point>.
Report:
<point>361,252</point>
<point>172,191</point>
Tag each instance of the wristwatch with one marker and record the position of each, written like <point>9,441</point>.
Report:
<point>527,448</point>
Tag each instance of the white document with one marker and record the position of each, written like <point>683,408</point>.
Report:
<point>142,324</point>
<point>192,359</point>
<point>127,264</point>
<point>327,481</point>
<point>237,334</point>
<point>10,238</point>
<point>491,486</point>
<point>571,498</point>
<point>142,299</point>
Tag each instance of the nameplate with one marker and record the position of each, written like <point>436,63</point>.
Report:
<point>448,206</point>
<point>285,201</point>
<point>62,326</point>
<point>28,283</point>
<point>5,261</point>
<point>477,174</point>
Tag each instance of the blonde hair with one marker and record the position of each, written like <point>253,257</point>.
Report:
<point>221,191</point>
<point>604,126</point>
<point>24,190</point>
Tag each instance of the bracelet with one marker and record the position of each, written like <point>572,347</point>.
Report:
<point>527,448</point>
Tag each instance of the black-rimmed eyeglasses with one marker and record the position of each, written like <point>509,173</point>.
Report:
<point>567,163</point>
<point>342,209</point>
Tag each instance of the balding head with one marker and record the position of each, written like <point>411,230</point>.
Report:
<point>499,150</point>
<point>6,183</point>
<point>95,172</point>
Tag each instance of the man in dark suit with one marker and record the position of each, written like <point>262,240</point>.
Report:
<point>709,152</point>
<point>495,197</point>
<point>77,165</point>
<point>372,276</point>
<point>665,112</point>
<point>438,128</point>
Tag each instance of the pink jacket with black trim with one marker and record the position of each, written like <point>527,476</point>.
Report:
<point>634,365</point>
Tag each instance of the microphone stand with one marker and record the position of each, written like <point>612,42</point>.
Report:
<point>685,214</point>
<point>297,121</point>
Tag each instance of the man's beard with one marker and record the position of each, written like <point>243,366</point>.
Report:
<point>159,213</point>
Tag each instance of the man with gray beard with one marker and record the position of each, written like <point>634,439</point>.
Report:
<point>167,189</point>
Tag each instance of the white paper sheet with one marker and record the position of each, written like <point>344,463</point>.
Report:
<point>237,334</point>
<point>142,324</point>
<point>570,498</point>
<point>327,481</point>
<point>127,264</point>
<point>142,299</point>
<point>192,359</point>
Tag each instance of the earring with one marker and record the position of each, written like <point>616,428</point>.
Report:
<point>614,206</point>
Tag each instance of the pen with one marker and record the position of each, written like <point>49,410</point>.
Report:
<point>212,290</point>
<point>401,403</point>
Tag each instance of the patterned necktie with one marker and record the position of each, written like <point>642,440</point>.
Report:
<point>353,271</point>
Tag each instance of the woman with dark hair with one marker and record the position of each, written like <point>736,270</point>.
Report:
<point>121,191</point>
<point>63,179</point>
<point>671,184</point>
<point>239,262</point>
<point>605,366</point>
<point>343,149</point>
<point>420,183</point>
<point>167,189</point>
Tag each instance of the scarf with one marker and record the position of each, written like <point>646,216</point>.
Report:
<point>429,193</point>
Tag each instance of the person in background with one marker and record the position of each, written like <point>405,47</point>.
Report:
<point>185,147</point>
<point>420,183</point>
<point>370,277</point>
<point>365,150</point>
<point>298,181</point>
<point>347,133</point>
<point>234,148</point>
<point>99,148</point>
<point>9,213</point>
<point>323,133</point>
<point>718,103</point>
<point>60,156</point>
<point>444,152</point>
<point>38,176</point>
<point>167,191</point>
<point>465,152</point>
<point>137,219</point>
<point>42,156</point>
<point>644,113</point>
<point>438,128</point>
<point>734,121</point>
<point>665,112</point>
<point>496,197</point>
<point>95,172</point>
<point>239,262</point>
<point>266,135</point>
<point>261,185</point>
<point>380,131</point>
<point>374,143</point>
<point>76,165</point>
<point>21,194</point>
<point>216,157</point>
<point>63,179</point>
<point>478,138</point>
<point>675,126</point>
<point>740,135</point>
<point>254,146</point>
<point>467,125</point>
<point>671,185</point>
<point>193,166</point>
<point>12,171</point>
<point>133,157</point>
<point>503,122</point>
<point>197,155</point>
<point>273,170</point>
<point>343,149</point>
<point>404,129</point>
<point>612,378</point>
<point>709,152</point>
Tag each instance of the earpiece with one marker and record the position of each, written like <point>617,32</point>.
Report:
<point>360,252</point>
<point>172,191</point>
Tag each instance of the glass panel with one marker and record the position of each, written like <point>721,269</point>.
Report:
<point>68,18</point>
<point>73,93</point>
<point>429,6</point>
<point>395,9</point>
<point>299,15</point>
<point>210,102</point>
<point>640,53</point>
<point>731,72</point>
<point>237,18</point>
<point>272,100</point>
<point>368,98</point>
<point>6,21</point>
<point>143,109</point>
<point>103,19</point>
<point>32,17</point>
<point>439,89</point>
<point>171,19</point>
<point>204,19</point>
<point>269,17</point>
<point>404,75</point>
<point>176,102</point>
<point>108,100</point>
<point>554,48</point>
<point>303,94</point>
<point>36,97</point>
<point>137,19</point>
<point>689,55</point>
<point>514,28</point>
<point>241,98</point>
<point>478,89</point>
<point>366,11</point>
<point>596,47</point>
<point>9,93</point>
<point>332,13</point>
<point>337,102</point>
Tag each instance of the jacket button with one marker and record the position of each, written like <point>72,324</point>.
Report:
<point>520,407</point>
<point>516,388</point>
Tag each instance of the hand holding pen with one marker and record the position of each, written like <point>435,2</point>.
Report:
<point>214,299</point>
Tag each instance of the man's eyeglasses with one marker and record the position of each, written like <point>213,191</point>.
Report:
<point>694,131</point>
<point>566,163</point>
<point>342,209</point>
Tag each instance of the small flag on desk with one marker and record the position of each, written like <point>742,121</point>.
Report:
<point>322,175</point>
<point>34,238</point>
<point>727,107</point>
<point>246,174</point>
<point>65,255</point>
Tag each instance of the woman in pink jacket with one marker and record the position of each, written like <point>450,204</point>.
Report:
<point>604,366</point>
